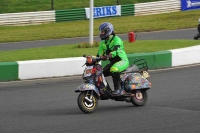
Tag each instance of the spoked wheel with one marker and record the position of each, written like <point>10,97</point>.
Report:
<point>140,98</point>
<point>87,103</point>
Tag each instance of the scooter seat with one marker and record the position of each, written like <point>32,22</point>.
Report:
<point>131,69</point>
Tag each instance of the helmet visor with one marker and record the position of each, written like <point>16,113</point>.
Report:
<point>103,32</point>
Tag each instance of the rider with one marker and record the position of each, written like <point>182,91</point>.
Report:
<point>112,47</point>
<point>198,28</point>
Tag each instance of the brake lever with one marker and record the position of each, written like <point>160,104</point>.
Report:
<point>107,58</point>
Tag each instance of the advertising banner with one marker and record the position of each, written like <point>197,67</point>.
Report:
<point>190,4</point>
<point>104,11</point>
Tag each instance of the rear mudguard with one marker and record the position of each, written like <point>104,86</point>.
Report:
<point>135,81</point>
<point>87,87</point>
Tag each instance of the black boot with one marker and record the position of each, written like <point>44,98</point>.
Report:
<point>197,37</point>
<point>117,83</point>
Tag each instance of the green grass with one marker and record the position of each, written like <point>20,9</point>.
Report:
<point>167,21</point>
<point>65,51</point>
<point>12,6</point>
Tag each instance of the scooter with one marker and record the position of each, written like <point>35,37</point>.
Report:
<point>134,85</point>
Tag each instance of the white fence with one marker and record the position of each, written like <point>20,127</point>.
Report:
<point>27,18</point>
<point>157,7</point>
<point>49,16</point>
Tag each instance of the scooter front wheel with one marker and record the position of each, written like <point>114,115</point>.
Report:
<point>140,98</point>
<point>87,103</point>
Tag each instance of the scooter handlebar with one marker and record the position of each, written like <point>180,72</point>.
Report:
<point>105,57</point>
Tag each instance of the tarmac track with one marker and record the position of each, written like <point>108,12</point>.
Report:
<point>157,35</point>
<point>50,106</point>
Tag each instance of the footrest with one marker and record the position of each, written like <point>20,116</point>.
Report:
<point>125,94</point>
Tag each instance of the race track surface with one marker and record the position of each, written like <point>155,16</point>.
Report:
<point>157,35</point>
<point>50,106</point>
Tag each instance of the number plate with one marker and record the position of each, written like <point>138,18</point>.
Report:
<point>88,71</point>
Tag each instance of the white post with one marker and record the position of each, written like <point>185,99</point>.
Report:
<point>91,22</point>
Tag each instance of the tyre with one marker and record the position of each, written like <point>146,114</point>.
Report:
<point>85,105</point>
<point>140,98</point>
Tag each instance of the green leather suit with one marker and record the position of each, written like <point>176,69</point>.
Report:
<point>119,61</point>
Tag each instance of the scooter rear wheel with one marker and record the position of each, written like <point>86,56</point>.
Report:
<point>85,105</point>
<point>140,98</point>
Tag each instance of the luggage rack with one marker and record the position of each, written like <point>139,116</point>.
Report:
<point>142,64</point>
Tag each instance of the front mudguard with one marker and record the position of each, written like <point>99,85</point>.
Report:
<point>87,87</point>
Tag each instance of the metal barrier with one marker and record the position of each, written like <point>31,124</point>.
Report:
<point>79,14</point>
<point>70,15</point>
<point>127,10</point>
<point>27,18</point>
<point>157,7</point>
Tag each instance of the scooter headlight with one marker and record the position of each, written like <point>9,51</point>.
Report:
<point>89,59</point>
